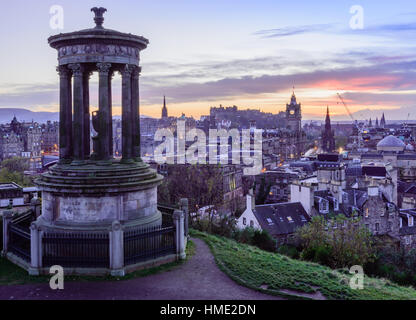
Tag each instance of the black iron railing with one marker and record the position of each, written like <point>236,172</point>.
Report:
<point>19,235</point>
<point>151,243</point>
<point>19,241</point>
<point>82,250</point>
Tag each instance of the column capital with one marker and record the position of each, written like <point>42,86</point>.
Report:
<point>77,69</point>
<point>127,70</point>
<point>136,71</point>
<point>63,71</point>
<point>103,68</point>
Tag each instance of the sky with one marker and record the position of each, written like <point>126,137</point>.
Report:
<point>229,52</point>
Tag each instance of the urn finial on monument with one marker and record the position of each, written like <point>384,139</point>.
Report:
<point>99,19</point>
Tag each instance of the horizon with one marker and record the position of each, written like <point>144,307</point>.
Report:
<point>270,48</point>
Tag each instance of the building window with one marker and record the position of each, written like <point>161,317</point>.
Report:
<point>410,221</point>
<point>389,226</point>
<point>377,226</point>
<point>366,212</point>
<point>408,240</point>
<point>251,223</point>
<point>244,221</point>
<point>323,206</point>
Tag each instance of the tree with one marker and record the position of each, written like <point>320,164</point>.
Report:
<point>7,176</point>
<point>201,184</point>
<point>16,164</point>
<point>338,242</point>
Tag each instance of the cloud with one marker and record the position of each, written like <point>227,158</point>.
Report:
<point>335,28</point>
<point>294,30</point>
<point>398,27</point>
<point>388,76</point>
<point>26,95</point>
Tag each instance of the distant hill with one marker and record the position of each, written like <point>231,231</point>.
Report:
<point>7,114</point>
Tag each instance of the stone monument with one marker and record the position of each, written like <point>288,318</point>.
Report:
<point>88,189</point>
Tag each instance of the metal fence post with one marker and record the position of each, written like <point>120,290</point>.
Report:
<point>117,250</point>
<point>7,218</point>
<point>184,206</point>
<point>35,249</point>
<point>178,219</point>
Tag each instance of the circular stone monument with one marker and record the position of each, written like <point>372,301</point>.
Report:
<point>88,189</point>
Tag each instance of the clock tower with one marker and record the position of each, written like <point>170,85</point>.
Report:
<point>293,115</point>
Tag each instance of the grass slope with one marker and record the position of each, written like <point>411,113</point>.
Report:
<point>271,272</point>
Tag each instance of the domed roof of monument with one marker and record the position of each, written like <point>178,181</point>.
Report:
<point>98,33</point>
<point>391,141</point>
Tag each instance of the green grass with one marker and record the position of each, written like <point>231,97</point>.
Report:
<point>256,268</point>
<point>11,274</point>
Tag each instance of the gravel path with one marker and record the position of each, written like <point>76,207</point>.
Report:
<point>198,279</point>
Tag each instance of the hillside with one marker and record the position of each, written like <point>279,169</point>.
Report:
<point>7,114</point>
<point>280,275</point>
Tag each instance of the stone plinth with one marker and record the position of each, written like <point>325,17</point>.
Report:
<point>98,195</point>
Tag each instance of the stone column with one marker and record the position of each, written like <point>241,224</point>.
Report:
<point>35,249</point>
<point>7,218</point>
<point>117,250</point>
<point>35,206</point>
<point>87,130</point>
<point>104,113</point>
<point>184,206</point>
<point>126,121</point>
<point>78,122</point>
<point>178,220</point>
<point>110,114</point>
<point>135,111</point>
<point>65,115</point>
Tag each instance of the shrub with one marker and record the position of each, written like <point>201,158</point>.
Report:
<point>263,240</point>
<point>288,250</point>
<point>323,255</point>
<point>395,264</point>
<point>244,236</point>
<point>343,243</point>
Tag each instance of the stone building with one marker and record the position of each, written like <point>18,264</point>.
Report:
<point>293,138</point>
<point>50,136</point>
<point>407,232</point>
<point>12,145</point>
<point>293,115</point>
<point>379,215</point>
<point>34,140</point>
<point>273,186</point>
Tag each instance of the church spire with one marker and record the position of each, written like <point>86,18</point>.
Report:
<point>327,136</point>
<point>164,109</point>
<point>383,121</point>
<point>327,119</point>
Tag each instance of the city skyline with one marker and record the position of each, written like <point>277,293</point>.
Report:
<point>203,62</point>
